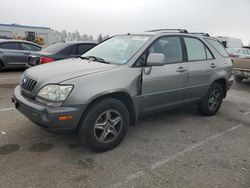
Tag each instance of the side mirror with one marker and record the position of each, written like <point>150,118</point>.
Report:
<point>156,59</point>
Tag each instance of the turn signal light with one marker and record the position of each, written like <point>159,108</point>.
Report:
<point>65,118</point>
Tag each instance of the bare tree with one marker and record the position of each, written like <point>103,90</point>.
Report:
<point>100,38</point>
<point>85,37</point>
<point>90,38</point>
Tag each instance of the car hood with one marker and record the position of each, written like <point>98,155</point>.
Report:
<point>67,69</point>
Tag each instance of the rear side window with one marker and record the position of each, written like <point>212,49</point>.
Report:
<point>196,50</point>
<point>30,47</point>
<point>218,47</point>
<point>82,48</point>
<point>11,46</point>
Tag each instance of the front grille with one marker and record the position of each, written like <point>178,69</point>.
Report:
<point>27,83</point>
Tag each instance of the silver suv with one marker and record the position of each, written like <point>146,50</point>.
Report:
<point>126,77</point>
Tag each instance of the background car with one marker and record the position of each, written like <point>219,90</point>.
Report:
<point>15,53</point>
<point>58,51</point>
<point>238,52</point>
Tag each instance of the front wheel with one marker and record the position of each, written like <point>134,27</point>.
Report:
<point>105,125</point>
<point>211,103</point>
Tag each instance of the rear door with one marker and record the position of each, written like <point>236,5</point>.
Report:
<point>27,50</point>
<point>201,64</point>
<point>165,86</point>
<point>13,54</point>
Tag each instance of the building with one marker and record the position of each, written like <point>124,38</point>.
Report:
<point>41,35</point>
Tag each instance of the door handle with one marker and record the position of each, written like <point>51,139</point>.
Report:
<point>213,66</point>
<point>181,69</point>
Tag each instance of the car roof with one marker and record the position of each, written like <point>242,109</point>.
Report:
<point>12,40</point>
<point>160,32</point>
<point>78,42</point>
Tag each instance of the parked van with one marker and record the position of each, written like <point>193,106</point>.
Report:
<point>229,42</point>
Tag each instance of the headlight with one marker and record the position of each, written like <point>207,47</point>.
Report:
<point>54,93</point>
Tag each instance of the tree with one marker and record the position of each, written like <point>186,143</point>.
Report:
<point>100,38</point>
<point>85,37</point>
<point>90,38</point>
<point>64,35</point>
<point>77,36</point>
<point>106,37</point>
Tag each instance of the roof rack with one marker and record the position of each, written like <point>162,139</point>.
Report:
<point>172,30</point>
<point>203,34</point>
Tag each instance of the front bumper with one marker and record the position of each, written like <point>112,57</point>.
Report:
<point>47,117</point>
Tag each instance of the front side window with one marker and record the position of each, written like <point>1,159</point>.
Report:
<point>119,49</point>
<point>169,46</point>
<point>218,47</point>
<point>195,49</point>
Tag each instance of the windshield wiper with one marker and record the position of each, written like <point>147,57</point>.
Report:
<point>94,58</point>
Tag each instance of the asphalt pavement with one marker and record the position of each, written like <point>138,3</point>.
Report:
<point>177,148</point>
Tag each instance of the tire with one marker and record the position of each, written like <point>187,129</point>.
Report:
<point>100,129</point>
<point>211,103</point>
<point>238,79</point>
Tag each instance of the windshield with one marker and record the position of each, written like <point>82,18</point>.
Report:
<point>119,49</point>
<point>54,48</point>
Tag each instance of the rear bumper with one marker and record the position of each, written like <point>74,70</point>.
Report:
<point>244,73</point>
<point>47,117</point>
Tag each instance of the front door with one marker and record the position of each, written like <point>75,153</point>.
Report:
<point>165,86</point>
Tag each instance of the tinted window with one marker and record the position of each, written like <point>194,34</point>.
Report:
<point>195,49</point>
<point>11,45</point>
<point>82,48</point>
<point>169,46</point>
<point>30,47</point>
<point>73,50</point>
<point>218,46</point>
<point>54,48</point>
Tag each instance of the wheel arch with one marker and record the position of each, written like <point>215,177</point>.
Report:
<point>122,96</point>
<point>223,83</point>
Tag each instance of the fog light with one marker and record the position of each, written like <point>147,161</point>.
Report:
<point>65,118</point>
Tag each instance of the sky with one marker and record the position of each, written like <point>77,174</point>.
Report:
<point>217,17</point>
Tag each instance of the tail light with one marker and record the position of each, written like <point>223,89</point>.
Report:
<point>44,60</point>
<point>233,56</point>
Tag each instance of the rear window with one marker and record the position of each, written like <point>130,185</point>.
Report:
<point>84,48</point>
<point>30,47</point>
<point>218,47</point>
<point>55,48</point>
